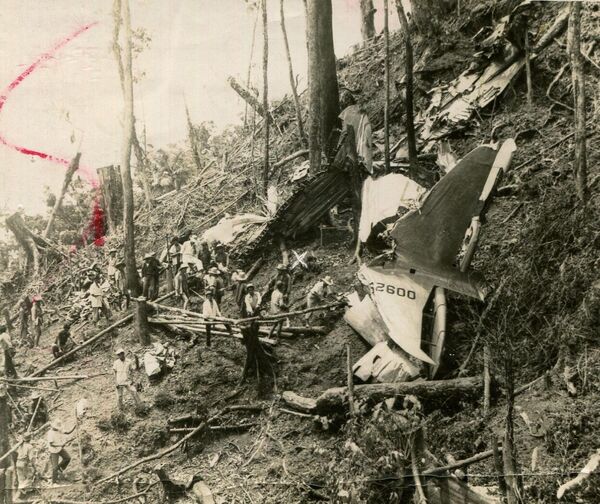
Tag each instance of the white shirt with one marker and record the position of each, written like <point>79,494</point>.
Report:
<point>56,440</point>
<point>277,302</point>
<point>122,371</point>
<point>318,290</point>
<point>210,309</point>
<point>252,302</point>
<point>96,295</point>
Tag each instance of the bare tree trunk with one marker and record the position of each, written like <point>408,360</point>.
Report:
<point>386,110</point>
<point>330,94</point>
<point>139,152</point>
<point>324,92</point>
<point>247,95</point>
<point>57,206</point>
<point>292,79</point>
<point>128,122</point>
<point>24,236</point>
<point>528,65</point>
<point>367,12</point>
<point>192,139</point>
<point>314,82</point>
<point>5,485</point>
<point>140,155</point>
<point>578,79</point>
<point>265,174</point>
<point>250,65</point>
<point>513,487</point>
<point>410,121</point>
<point>112,195</point>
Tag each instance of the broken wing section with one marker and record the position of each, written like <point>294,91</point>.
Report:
<point>400,301</point>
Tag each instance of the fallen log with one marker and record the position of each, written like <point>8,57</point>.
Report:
<point>304,404</point>
<point>213,332</point>
<point>460,463</point>
<point>52,378</point>
<point>73,167</point>
<point>88,342</point>
<point>336,399</point>
<point>248,97</point>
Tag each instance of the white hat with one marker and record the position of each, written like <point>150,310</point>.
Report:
<point>120,350</point>
<point>328,280</point>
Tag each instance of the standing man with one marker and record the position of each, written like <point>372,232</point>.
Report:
<point>252,301</point>
<point>239,279</point>
<point>317,294</point>
<point>57,440</point>
<point>181,285</point>
<point>122,368</point>
<point>111,268</point>
<point>97,299</point>
<point>37,318</point>
<point>150,273</point>
<point>7,352</point>
<point>278,306</point>
<point>25,466</point>
<point>121,285</point>
<point>24,315</point>
<point>210,309</point>
<point>213,279</point>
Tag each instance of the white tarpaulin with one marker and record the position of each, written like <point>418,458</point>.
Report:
<point>400,301</point>
<point>229,227</point>
<point>382,197</point>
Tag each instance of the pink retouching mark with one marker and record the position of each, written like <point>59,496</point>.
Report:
<point>88,172</point>
<point>96,225</point>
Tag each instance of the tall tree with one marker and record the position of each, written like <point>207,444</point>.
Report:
<point>250,65</point>
<point>367,14</point>
<point>58,204</point>
<point>140,154</point>
<point>323,85</point>
<point>408,80</point>
<point>192,139</point>
<point>386,110</point>
<point>292,79</point>
<point>122,6</point>
<point>265,174</point>
<point>578,79</point>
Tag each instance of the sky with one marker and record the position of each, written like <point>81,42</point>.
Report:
<point>73,101</point>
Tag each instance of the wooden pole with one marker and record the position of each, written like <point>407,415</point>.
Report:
<point>578,79</point>
<point>386,109</point>
<point>265,175</point>
<point>93,339</point>
<point>350,381</point>
<point>487,379</point>
<point>142,327</point>
<point>528,66</point>
<point>292,78</point>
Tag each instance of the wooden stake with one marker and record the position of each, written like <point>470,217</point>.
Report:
<point>350,381</point>
<point>486,379</point>
<point>528,66</point>
<point>386,110</point>
<point>142,327</point>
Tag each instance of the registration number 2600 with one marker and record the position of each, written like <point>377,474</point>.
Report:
<point>392,289</point>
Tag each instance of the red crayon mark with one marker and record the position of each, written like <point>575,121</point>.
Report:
<point>96,226</point>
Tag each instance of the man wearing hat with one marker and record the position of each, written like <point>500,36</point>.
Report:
<point>97,299</point>
<point>150,273</point>
<point>210,309</point>
<point>123,368</point>
<point>111,268</point>
<point>25,466</point>
<point>213,279</point>
<point>181,285</point>
<point>239,280</point>
<point>120,280</point>
<point>37,319</point>
<point>58,438</point>
<point>252,301</point>
<point>317,294</point>
<point>283,276</point>
<point>278,306</point>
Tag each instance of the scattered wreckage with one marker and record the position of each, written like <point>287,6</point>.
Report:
<point>410,283</point>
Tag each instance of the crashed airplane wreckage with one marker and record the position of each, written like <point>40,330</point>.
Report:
<point>411,282</point>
